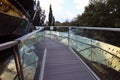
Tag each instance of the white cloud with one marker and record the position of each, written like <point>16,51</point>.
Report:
<point>70,15</point>
<point>56,6</point>
<point>60,8</point>
<point>80,4</point>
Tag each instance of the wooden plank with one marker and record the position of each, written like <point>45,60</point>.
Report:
<point>62,64</point>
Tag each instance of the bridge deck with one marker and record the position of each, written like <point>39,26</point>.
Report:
<point>62,64</point>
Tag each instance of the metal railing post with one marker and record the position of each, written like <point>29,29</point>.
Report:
<point>16,63</point>
<point>69,36</point>
<point>20,63</point>
<point>91,51</point>
<point>50,32</point>
<point>44,35</point>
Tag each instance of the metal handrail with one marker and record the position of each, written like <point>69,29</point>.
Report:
<point>25,37</point>
<point>14,44</point>
<point>91,44</point>
<point>7,45</point>
<point>101,28</point>
<point>10,44</point>
<point>90,28</point>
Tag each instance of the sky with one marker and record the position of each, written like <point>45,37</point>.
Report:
<point>64,9</point>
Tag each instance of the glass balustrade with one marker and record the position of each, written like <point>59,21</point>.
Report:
<point>95,47</point>
<point>31,52</point>
<point>8,69</point>
<point>98,48</point>
<point>31,55</point>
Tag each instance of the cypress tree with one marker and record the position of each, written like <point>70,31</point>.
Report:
<point>51,21</point>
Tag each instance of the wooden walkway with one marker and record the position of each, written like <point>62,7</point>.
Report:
<point>62,64</point>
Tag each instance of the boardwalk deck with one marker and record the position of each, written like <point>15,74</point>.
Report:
<point>62,64</point>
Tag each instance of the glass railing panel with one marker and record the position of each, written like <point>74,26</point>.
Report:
<point>98,49</point>
<point>83,49</point>
<point>63,37</point>
<point>81,44</point>
<point>59,36</point>
<point>30,54</point>
<point>8,69</point>
<point>94,45</point>
<point>29,60</point>
<point>47,33</point>
<point>109,53</point>
<point>101,56</point>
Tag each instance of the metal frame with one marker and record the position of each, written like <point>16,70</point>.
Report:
<point>16,53</point>
<point>18,67</point>
<point>15,47</point>
<point>7,45</point>
<point>93,46</point>
<point>90,28</point>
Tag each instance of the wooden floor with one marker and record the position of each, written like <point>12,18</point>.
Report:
<point>62,64</point>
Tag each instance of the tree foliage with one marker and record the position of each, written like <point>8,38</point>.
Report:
<point>99,13</point>
<point>57,23</point>
<point>51,21</point>
<point>39,18</point>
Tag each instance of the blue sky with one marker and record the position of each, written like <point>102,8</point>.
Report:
<point>64,9</point>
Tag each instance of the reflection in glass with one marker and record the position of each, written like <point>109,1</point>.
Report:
<point>29,55</point>
<point>8,69</point>
<point>94,48</point>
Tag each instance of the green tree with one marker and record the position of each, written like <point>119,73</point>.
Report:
<point>99,13</point>
<point>39,16</point>
<point>51,21</point>
<point>57,23</point>
<point>104,13</point>
<point>114,11</point>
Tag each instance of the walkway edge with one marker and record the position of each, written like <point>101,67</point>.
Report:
<point>43,65</point>
<point>88,68</point>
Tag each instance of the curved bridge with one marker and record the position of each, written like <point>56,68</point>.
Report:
<point>54,55</point>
